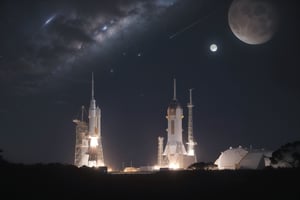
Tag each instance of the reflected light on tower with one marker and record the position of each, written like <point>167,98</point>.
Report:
<point>191,152</point>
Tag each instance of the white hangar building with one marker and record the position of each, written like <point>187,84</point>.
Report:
<point>243,158</point>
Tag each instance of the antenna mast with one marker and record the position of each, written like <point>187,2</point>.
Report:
<point>174,88</point>
<point>92,85</point>
<point>82,112</point>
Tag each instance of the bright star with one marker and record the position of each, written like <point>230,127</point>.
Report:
<point>104,28</point>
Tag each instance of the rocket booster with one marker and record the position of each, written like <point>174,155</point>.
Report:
<point>174,117</point>
<point>94,116</point>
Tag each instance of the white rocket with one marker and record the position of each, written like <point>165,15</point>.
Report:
<point>174,149</point>
<point>94,115</point>
<point>95,145</point>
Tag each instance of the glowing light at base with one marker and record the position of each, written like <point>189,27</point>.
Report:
<point>92,164</point>
<point>156,167</point>
<point>174,166</point>
<point>130,169</point>
<point>109,169</point>
<point>94,141</point>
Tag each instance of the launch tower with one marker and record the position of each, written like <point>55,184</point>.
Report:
<point>191,142</point>
<point>88,148</point>
<point>82,142</point>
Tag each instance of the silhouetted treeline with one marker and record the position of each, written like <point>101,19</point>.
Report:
<point>202,166</point>
<point>59,181</point>
<point>287,155</point>
<point>2,161</point>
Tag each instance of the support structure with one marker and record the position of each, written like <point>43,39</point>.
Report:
<point>82,142</point>
<point>160,151</point>
<point>191,142</point>
<point>88,148</point>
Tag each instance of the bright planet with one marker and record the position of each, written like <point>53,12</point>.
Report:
<point>213,47</point>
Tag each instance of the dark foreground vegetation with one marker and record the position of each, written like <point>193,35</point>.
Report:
<point>58,181</point>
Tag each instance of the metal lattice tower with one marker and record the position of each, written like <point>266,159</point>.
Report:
<point>81,144</point>
<point>160,151</point>
<point>100,160</point>
<point>191,142</point>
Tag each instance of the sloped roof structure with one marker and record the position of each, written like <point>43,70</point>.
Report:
<point>243,158</point>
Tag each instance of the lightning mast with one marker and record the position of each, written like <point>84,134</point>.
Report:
<point>191,142</point>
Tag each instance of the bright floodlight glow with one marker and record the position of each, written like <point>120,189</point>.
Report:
<point>213,47</point>
<point>92,164</point>
<point>174,165</point>
<point>109,169</point>
<point>130,169</point>
<point>156,167</point>
<point>94,141</point>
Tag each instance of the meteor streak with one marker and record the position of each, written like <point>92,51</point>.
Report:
<point>49,20</point>
<point>190,26</point>
<point>186,28</point>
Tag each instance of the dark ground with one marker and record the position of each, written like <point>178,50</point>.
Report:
<point>58,181</point>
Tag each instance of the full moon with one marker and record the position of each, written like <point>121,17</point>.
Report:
<point>213,47</point>
<point>252,21</point>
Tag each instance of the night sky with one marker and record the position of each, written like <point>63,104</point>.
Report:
<point>243,94</point>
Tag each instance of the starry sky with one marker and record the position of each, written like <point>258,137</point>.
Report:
<point>243,94</point>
